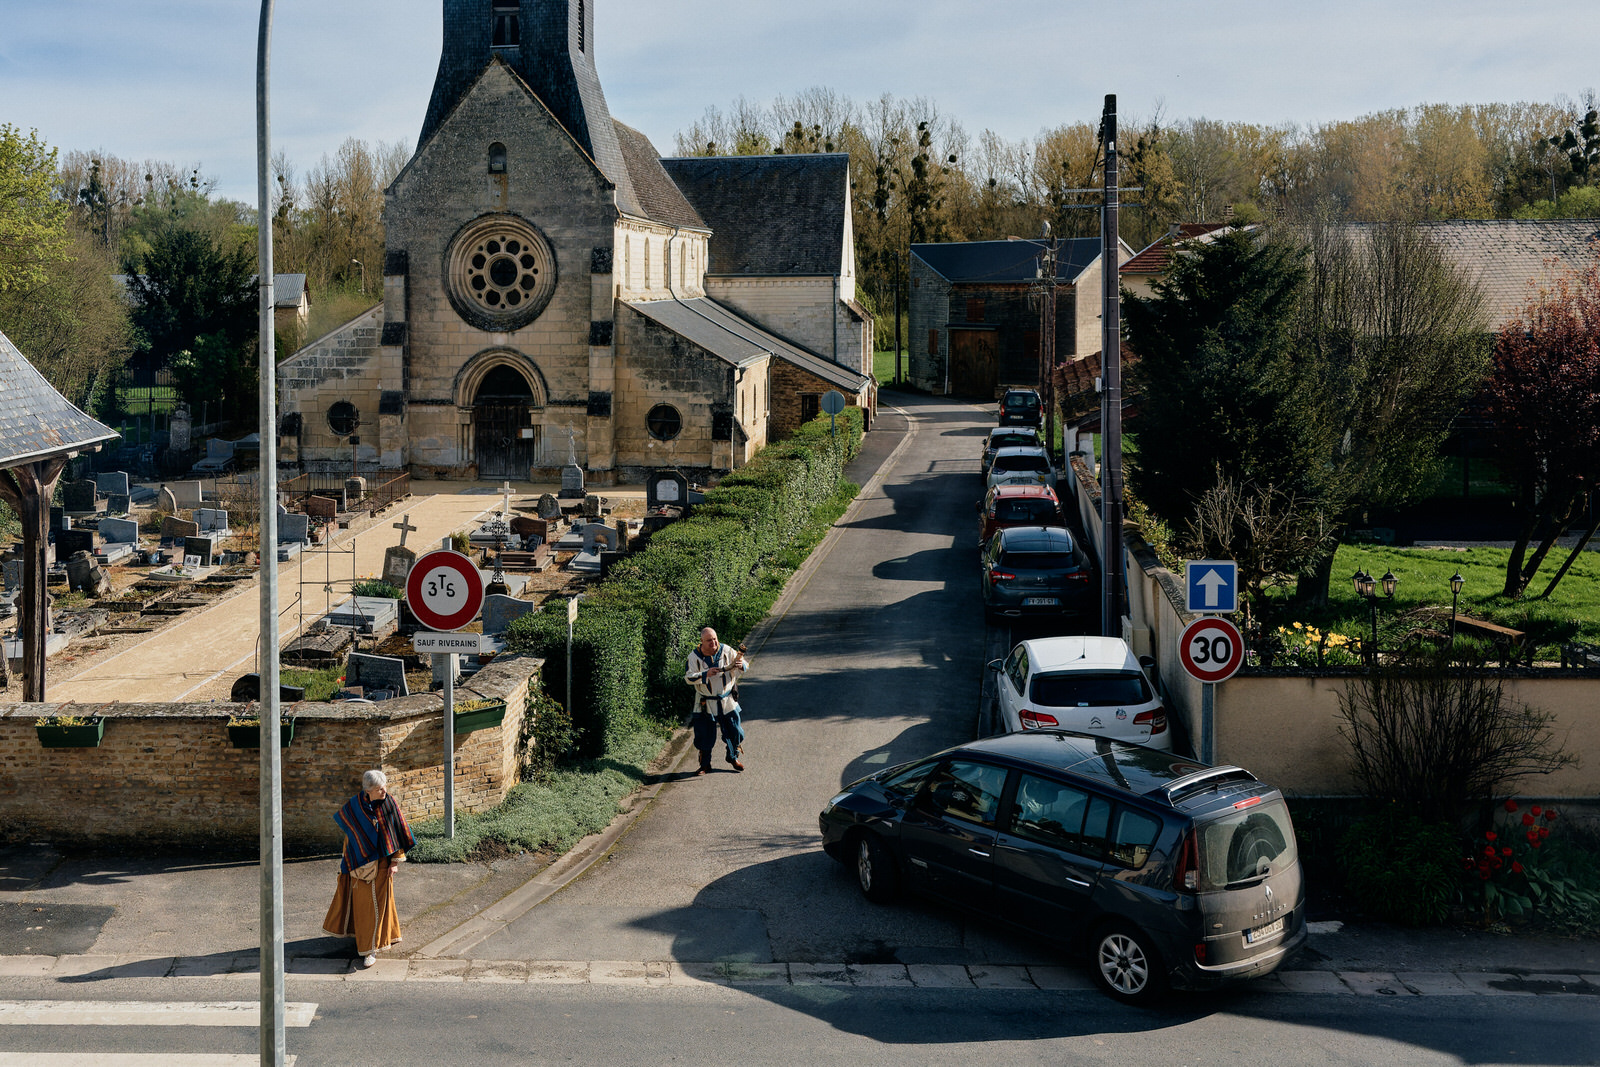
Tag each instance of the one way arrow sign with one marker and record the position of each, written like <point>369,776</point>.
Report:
<point>1213,586</point>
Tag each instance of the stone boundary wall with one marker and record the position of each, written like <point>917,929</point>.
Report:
<point>1283,724</point>
<point>167,772</point>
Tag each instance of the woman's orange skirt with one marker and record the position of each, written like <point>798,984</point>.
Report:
<point>365,911</point>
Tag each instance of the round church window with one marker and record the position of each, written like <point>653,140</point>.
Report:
<point>501,273</point>
<point>664,422</point>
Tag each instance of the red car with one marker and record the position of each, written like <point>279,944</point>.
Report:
<point>1017,505</point>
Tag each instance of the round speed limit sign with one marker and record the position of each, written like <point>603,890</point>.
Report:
<point>444,590</point>
<point>1211,649</point>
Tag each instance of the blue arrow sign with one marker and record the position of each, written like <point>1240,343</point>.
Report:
<point>1213,586</point>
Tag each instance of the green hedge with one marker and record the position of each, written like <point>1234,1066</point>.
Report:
<point>635,632</point>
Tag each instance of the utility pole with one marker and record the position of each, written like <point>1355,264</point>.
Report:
<point>1111,382</point>
<point>1049,271</point>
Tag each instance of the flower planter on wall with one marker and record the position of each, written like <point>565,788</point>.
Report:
<point>483,717</point>
<point>248,735</point>
<point>87,735</point>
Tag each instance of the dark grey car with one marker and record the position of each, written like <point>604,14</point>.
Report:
<point>1035,570</point>
<point>1164,871</point>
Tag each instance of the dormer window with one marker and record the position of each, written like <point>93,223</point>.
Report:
<point>497,158</point>
<point>507,21</point>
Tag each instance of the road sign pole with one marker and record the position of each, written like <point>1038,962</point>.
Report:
<point>572,617</point>
<point>1208,725</point>
<point>447,662</point>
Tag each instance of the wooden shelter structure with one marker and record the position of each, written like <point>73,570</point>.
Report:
<point>39,431</point>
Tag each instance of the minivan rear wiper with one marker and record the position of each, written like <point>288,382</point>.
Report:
<point>1242,883</point>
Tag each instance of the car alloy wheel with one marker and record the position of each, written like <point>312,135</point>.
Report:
<point>1126,966</point>
<point>875,870</point>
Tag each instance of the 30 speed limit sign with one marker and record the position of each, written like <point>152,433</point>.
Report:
<point>444,590</point>
<point>1211,649</point>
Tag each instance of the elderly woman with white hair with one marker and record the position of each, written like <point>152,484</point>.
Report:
<point>376,838</point>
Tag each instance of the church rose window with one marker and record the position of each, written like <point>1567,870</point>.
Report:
<point>664,422</point>
<point>501,273</point>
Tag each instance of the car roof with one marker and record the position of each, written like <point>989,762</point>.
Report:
<point>1031,431</point>
<point>1080,653</point>
<point>1036,539</point>
<point>1021,450</point>
<point>1116,765</point>
<point>1043,491</point>
<point>1021,389</point>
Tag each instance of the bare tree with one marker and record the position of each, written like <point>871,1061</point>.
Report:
<point>1271,532</point>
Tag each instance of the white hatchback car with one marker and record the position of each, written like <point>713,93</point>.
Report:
<point>1090,684</point>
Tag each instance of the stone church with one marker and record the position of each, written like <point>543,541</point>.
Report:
<point>553,287</point>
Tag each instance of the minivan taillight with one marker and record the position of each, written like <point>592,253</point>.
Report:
<point>1156,720</point>
<point>1187,873</point>
<point>1034,720</point>
<point>1001,576</point>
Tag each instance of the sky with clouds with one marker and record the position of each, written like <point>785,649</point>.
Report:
<point>175,79</point>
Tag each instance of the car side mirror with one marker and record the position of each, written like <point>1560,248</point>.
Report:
<point>978,506</point>
<point>994,665</point>
<point>1147,662</point>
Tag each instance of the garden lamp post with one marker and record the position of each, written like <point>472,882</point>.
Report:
<point>1365,587</point>
<point>363,268</point>
<point>1456,582</point>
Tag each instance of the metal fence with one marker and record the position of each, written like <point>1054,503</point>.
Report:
<point>384,487</point>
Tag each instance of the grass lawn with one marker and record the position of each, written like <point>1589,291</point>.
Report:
<point>883,366</point>
<point>1423,595</point>
<point>562,807</point>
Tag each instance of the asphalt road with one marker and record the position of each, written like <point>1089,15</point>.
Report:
<point>443,1024</point>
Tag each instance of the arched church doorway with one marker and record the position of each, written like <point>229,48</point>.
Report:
<point>505,440</point>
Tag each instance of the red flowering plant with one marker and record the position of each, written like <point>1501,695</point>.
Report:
<point>1505,870</point>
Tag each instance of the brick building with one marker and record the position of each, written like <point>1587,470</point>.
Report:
<point>974,315</point>
<point>548,286</point>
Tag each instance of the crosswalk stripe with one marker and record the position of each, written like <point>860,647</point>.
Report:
<point>144,1013</point>
<point>128,1059</point>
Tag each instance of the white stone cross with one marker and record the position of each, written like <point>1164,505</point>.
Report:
<point>405,527</point>
<point>505,500</point>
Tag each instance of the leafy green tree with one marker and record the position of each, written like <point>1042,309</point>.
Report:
<point>1580,143</point>
<point>33,221</point>
<point>1225,390</point>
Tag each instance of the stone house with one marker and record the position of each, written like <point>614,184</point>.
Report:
<point>974,315</point>
<point>548,289</point>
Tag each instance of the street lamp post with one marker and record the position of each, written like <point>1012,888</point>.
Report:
<point>363,268</point>
<point>1456,582</point>
<point>1365,586</point>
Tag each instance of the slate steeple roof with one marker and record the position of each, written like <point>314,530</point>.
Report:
<point>554,56</point>
<point>35,420</point>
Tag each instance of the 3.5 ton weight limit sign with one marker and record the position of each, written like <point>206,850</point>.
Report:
<point>1211,649</point>
<point>444,590</point>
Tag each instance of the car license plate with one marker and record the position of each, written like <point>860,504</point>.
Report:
<point>1039,601</point>
<point>1261,933</point>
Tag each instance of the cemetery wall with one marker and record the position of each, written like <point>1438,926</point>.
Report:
<point>167,772</point>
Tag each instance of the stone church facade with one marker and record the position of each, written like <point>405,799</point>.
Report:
<point>551,290</point>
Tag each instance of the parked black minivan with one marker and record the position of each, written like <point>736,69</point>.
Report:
<point>1165,871</point>
<point>1021,407</point>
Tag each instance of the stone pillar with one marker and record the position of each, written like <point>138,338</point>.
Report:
<point>393,440</point>
<point>601,452</point>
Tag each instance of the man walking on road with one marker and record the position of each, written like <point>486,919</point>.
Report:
<point>714,671</point>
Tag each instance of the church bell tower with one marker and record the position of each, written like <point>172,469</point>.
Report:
<point>550,45</point>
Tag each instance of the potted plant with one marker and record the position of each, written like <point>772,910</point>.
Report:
<point>244,731</point>
<point>472,715</point>
<point>71,731</point>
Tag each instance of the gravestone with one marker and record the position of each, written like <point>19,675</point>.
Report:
<point>211,520</point>
<point>166,501</point>
<point>217,448</point>
<point>597,536</point>
<point>500,611</point>
<point>248,689</point>
<point>322,507</point>
<point>178,430</point>
<point>397,561</point>
<point>549,507</point>
<point>571,482</point>
<point>365,613</point>
<point>526,526</point>
<point>119,504</point>
<point>112,483</point>
<point>288,550</point>
<point>70,542</point>
<point>666,488</point>
<point>119,531</point>
<point>355,488</point>
<point>78,497</point>
<point>293,528</point>
<point>59,520</point>
<point>187,495</point>
<point>591,507</point>
<point>13,575</point>
<point>622,535</point>
<point>607,559</point>
<point>176,529</point>
<point>376,672</point>
<point>203,547</point>
<point>85,576</point>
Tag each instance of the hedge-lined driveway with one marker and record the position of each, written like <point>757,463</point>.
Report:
<point>877,660</point>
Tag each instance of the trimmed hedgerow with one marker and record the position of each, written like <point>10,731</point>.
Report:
<point>635,632</point>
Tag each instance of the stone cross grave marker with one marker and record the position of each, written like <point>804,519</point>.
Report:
<point>398,559</point>
<point>377,672</point>
<point>505,501</point>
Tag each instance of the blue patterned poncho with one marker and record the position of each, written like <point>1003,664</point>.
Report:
<point>372,831</point>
